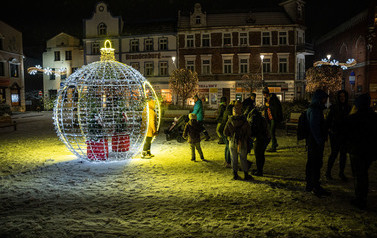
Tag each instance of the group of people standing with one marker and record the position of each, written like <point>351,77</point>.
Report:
<point>243,127</point>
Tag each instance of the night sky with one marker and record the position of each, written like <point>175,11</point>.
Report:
<point>41,20</point>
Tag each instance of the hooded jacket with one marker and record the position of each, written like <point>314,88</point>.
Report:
<point>316,119</point>
<point>192,131</point>
<point>152,123</point>
<point>238,124</point>
<point>338,112</point>
<point>198,110</point>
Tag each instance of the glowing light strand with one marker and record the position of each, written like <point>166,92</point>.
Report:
<point>344,66</point>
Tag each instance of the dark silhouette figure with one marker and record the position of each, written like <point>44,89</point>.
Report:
<point>274,115</point>
<point>316,143</point>
<point>227,114</point>
<point>361,144</point>
<point>192,134</point>
<point>336,124</point>
<point>198,111</point>
<point>219,119</point>
<point>248,104</point>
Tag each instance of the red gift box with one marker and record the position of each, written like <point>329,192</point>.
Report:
<point>120,143</point>
<point>97,150</point>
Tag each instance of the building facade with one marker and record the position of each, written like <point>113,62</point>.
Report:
<point>354,39</point>
<point>149,47</point>
<point>63,52</point>
<point>225,50</point>
<point>12,90</point>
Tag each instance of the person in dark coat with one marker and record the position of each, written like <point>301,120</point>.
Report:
<point>361,137</point>
<point>192,134</point>
<point>219,119</point>
<point>336,124</point>
<point>316,143</point>
<point>238,132</point>
<point>198,111</point>
<point>274,115</point>
<point>248,104</point>
<point>227,114</point>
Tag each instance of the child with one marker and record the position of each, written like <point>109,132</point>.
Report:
<point>192,134</point>
<point>238,132</point>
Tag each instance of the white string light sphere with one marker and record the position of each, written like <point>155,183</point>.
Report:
<point>98,113</point>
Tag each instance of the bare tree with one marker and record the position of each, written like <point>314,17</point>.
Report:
<point>325,77</point>
<point>184,83</point>
<point>252,82</point>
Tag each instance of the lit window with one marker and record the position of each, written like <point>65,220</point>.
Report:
<point>190,41</point>
<point>283,65</point>
<point>134,45</point>
<point>102,29</point>
<point>227,66</point>
<point>266,38</point>
<point>14,71</point>
<point>15,98</point>
<point>57,55</point>
<point>190,65</point>
<point>206,67</point>
<point>148,44</point>
<point>282,38</point>
<point>148,68</point>
<point>244,66</point>
<point>205,40</point>
<point>243,38</point>
<point>163,43</point>
<point>227,39</point>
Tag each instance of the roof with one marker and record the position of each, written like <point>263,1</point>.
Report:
<point>157,26</point>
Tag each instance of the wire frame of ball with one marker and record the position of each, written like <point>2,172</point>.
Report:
<point>99,115</point>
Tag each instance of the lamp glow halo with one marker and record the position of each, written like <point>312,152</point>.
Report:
<point>98,112</point>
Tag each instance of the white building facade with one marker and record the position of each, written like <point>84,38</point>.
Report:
<point>12,89</point>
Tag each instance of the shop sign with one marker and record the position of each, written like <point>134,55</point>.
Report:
<point>213,90</point>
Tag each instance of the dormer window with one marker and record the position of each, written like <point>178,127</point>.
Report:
<point>102,29</point>
<point>197,20</point>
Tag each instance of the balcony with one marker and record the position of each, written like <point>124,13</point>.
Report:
<point>305,48</point>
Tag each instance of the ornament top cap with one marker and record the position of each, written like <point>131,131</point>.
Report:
<point>107,53</point>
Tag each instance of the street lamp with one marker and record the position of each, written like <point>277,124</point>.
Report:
<point>261,62</point>
<point>329,57</point>
<point>173,59</point>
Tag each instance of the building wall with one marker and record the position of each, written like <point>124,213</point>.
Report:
<point>12,89</point>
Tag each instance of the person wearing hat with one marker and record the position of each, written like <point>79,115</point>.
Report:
<point>361,137</point>
<point>198,111</point>
<point>238,132</point>
<point>219,118</point>
<point>274,115</point>
<point>192,134</point>
<point>249,104</point>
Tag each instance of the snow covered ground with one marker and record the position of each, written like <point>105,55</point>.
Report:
<point>46,192</point>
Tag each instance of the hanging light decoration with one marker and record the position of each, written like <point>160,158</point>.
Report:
<point>98,113</point>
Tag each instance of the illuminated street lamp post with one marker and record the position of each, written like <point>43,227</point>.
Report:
<point>261,62</point>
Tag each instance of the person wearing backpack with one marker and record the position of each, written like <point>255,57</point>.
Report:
<point>316,143</point>
<point>361,143</point>
<point>274,115</point>
<point>238,132</point>
<point>335,122</point>
<point>261,138</point>
<point>192,134</point>
<point>198,111</point>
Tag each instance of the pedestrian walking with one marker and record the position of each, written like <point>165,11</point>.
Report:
<point>274,115</point>
<point>336,125</point>
<point>316,143</point>
<point>361,141</point>
<point>192,134</point>
<point>152,130</point>
<point>238,132</point>
<point>219,119</point>
<point>227,114</point>
<point>198,111</point>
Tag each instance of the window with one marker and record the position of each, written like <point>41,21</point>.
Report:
<point>190,65</point>
<point>283,65</point>
<point>190,41</point>
<point>56,55</point>
<point>2,71</point>
<point>205,40</point>
<point>52,93</point>
<point>134,45</point>
<point>197,20</point>
<point>95,48</point>
<point>283,38</point>
<point>148,68</point>
<point>14,71</point>
<point>52,75</point>
<point>68,55</point>
<point>135,65</point>
<point>102,29</point>
<point>15,97</point>
<point>163,68</point>
<point>266,65</point>
<point>227,66</point>
<point>244,63</point>
<point>206,67</point>
<point>163,43</point>
<point>227,39</point>
<point>73,69</point>
<point>266,38</point>
<point>148,44</point>
<point>1,43</point>
<point>63,76</point>
<point>243,38</point>
<point>2,95</point>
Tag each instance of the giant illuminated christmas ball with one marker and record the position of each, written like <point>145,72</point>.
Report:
<point>101,112</point>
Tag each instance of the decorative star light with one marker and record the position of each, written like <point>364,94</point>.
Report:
<point>344,66</point>
<point>47,71</point>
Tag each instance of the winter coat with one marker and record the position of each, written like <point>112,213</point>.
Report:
<point>337,114</point>
<point>198,110</point>
<point>152,123</point>
<point>192,131</point>
<point>258,125</point>
<point>227,113</point>
<point>247,105</point>
<point>220,112</point>
<point>316,119</point>
<point>275,107</point>
<point>238,132</point>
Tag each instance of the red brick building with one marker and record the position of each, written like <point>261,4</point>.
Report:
<point>223,47</point>
<point>355,38</point>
